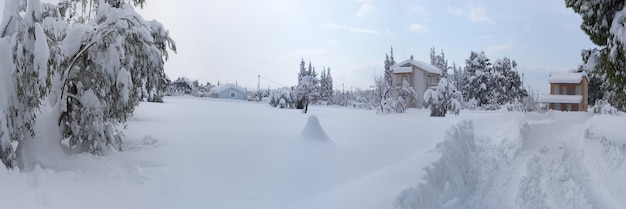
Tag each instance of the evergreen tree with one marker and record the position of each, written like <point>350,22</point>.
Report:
<point>389,62</point>
<point>308,87</point>
<point>326,86</point>
<point>329,86</point>
<point>604,22</point>
<point>477,78</point>
<point>439,61</point>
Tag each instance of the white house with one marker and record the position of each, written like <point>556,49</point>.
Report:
<point>419,74</point>
<point>228,91</point>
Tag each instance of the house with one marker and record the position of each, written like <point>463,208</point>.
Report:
<point>228,91</point>
<point>568,92</point>
<point>420,75</point>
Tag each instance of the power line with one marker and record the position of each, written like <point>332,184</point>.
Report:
<point>267,79</point>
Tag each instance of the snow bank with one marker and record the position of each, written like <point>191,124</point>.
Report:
<point>448,181</point>
<point>515,160</point>
<point>313,130</point>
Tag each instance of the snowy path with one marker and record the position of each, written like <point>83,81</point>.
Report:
<point>553,160</point>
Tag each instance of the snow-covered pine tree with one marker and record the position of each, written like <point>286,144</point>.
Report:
<point>110,57</point>
<point>515,87</point>
<point>477,78</point>
<point>497,84</point>
<point>323,85</point>
<point>389,62</point>
<point>329,86</point>
<point>439,61</point>
<point>308,89</point>
<point>303,71</point>
<point>326,86</point>
<point>605,23</point>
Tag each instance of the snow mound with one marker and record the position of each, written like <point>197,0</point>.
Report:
<point>449,181</point>
<point>313,130</point>
<point>553,160</point>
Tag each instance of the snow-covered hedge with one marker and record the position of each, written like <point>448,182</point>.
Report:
<point>603,107</point>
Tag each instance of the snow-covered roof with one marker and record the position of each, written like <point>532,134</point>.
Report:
<point>224,87</point>
<point>566,77</point>
<point>550,98</point>
<point>402,69</point>
<point>397,68</point>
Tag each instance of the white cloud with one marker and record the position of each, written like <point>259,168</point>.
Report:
<point>419,28</point>
<point>349,28</point>
<point>455,11</point>
<point>366,9</point>
<point>478,14</point>
<point>420,11</point>
<point>474,12</point>
<point>503,47</point>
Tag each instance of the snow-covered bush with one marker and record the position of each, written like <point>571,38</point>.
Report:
<point>443,100</point>
<point>603,107</point>
<point>283,98</point>
<point>406,95</point>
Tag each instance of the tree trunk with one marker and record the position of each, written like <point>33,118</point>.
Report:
<point>306,105</point>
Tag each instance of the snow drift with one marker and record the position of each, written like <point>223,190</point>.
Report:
<point>313,130</point>
<point>553,160</point>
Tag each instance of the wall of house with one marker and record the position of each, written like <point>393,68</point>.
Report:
<point>570,89</point>
<point>585,86</point>
<point>226,94</point>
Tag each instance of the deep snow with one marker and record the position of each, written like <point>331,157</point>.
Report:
<point>207,153</point>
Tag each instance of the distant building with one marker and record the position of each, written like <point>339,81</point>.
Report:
<point>568,92</point>
<point>420,75</point>
<point>228,91</point>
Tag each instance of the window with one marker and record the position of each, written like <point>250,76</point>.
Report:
<point>569,107</point>
<point>578,90</point>
<point>555,89</point>
<point>404,78</point>
<point>564,90</point>
<point>232,95</point>
<point>557,106</point>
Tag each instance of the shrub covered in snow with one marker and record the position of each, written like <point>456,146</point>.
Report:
<point>283,98</point>
<point>406,95</point>
<point>603,107</point>
<point>445,98</point>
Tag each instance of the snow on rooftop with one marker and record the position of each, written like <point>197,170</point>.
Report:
<point>568,99</point>
<point>402,69</point>
<point>566,77</point>
<point>420,64</point>
<point>225,87</point>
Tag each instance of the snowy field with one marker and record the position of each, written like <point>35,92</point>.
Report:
<point>206,153</point>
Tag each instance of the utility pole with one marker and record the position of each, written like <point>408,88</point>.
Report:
<point>343,90</point>
<point>258,85</point>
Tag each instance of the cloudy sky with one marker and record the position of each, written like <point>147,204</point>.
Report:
<point>236,40</point>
